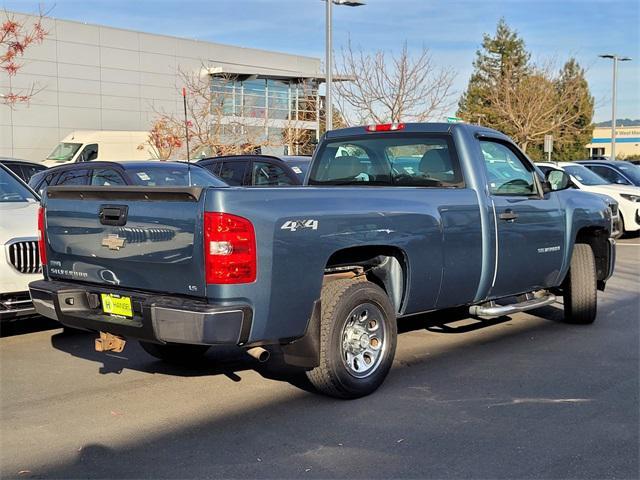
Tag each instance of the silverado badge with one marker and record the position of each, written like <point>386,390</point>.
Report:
<point>113,241</point>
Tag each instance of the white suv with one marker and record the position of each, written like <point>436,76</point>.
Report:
<point>20,261</point>
<point>627,196</point>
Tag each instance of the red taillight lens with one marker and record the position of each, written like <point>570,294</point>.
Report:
<point>229,249</point>
<point>42,249</point>
<point>385,127</point>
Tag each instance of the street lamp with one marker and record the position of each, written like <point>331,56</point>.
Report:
<point>328,105</point>
<point>615,59</point>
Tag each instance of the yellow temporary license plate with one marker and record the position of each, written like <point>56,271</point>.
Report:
<point>116,305</point>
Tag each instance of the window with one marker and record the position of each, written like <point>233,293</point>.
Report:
<point>11,190</point>
<point>609,174</point>
<point>74,177</point>
<point>585,176</point>
<point>40,183</point>
<point>64,152</point>
<point>29,171</point>
<point>233,172</point>
<point>409,160</point>
<point>90,152</point>
<point>172,176</point>
<point>506,172</point>
<point>106,176</point>
<point>213,167</point>
<point>268,174</point>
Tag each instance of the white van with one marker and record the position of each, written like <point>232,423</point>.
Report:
<point>87,145</point>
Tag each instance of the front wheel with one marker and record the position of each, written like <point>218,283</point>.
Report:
<point>176,353</point>
<point>580,287</point>
<point>358,335</point>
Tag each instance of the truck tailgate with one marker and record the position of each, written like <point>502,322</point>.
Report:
<point>145,238</point>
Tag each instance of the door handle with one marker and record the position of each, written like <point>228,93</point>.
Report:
<point>113,215</point>
<point>508,215</point>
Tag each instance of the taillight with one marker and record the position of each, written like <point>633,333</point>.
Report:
<point>229,249</point>
<point>42,249</point>
<point>385,127</point>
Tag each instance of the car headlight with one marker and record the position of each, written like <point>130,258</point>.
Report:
<point>633,198</point>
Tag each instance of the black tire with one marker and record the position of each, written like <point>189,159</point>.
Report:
<point>339,300</point>
<point>175,353</point>
<point>580,287</point>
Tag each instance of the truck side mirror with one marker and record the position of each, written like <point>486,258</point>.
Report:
<point>557,180</point>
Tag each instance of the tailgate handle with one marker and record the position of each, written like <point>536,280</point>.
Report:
<point>113,215</point>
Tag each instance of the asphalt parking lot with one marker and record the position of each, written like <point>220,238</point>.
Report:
<point>519,397</point>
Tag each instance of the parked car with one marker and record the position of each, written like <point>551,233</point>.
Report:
<point>20,261</point>
<point>252,170</point>
<point>584,179</point>
<point>23,169</point>
<point>90,145</point>
<point>617,171</point>
<point>323,274</point>
<point>146,173</point>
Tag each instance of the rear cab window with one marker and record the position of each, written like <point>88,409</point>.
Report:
<point>172,176</point>
<point>403,160</point>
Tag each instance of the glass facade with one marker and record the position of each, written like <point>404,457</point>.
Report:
<point>265,98</point>
<point>265,112</point>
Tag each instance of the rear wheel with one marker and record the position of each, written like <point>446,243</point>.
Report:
<point>175,352</point>
<point>580,287</point>
<point>357,339</point>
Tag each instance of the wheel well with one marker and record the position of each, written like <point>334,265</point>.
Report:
<point>598,240</point>
<point>383,265</point>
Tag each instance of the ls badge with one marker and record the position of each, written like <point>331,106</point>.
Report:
<point>113,241</point>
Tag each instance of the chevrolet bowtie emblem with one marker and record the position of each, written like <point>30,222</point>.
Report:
<point>113,241</point>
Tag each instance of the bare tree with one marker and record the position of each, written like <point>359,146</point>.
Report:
<point>392,88</point>
<point>15,38</point>
<point>534,105</point>
<point>212,131</point>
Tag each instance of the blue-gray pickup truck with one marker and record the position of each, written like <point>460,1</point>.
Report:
<point>393,220</point>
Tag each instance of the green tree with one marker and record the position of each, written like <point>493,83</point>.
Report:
<point>573,138</point>
<point>500,55</point>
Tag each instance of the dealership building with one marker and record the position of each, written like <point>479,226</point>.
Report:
<point>627,142</point>
<point>93,77</point>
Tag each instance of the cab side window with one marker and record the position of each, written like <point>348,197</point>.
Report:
<point>90,152</point>
<point>506,172</point>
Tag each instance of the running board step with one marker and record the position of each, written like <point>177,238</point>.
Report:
<point>494,310</point>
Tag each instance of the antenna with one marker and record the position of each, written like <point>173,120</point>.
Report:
<point>186,131</point>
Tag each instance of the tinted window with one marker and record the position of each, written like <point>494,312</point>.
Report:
<point>11,190</point>
<point>397,160</point>
<point>78,176</point>
<point>42,180</point>
<point>631,171</point>
<point>506,172</point>
<point>213,167</point>
<point>106,176</point>
<point>233,172</point>
<point>266,173</point>
<point>609,174</point>
<point>29,171</point>
<point>172,175</point>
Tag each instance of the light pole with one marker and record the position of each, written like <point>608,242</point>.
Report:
<point>615,59</point>
<point>328,105</point>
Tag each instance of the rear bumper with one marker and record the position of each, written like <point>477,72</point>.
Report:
<point>156,318</point>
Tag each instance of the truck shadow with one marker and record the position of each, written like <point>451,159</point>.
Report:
<point>230,360</point>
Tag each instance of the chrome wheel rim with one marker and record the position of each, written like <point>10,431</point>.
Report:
<point>363,340</point>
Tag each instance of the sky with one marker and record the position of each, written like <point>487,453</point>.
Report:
<point>452,30</point>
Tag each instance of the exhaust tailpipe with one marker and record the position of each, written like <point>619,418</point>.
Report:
<point>259,354</point>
